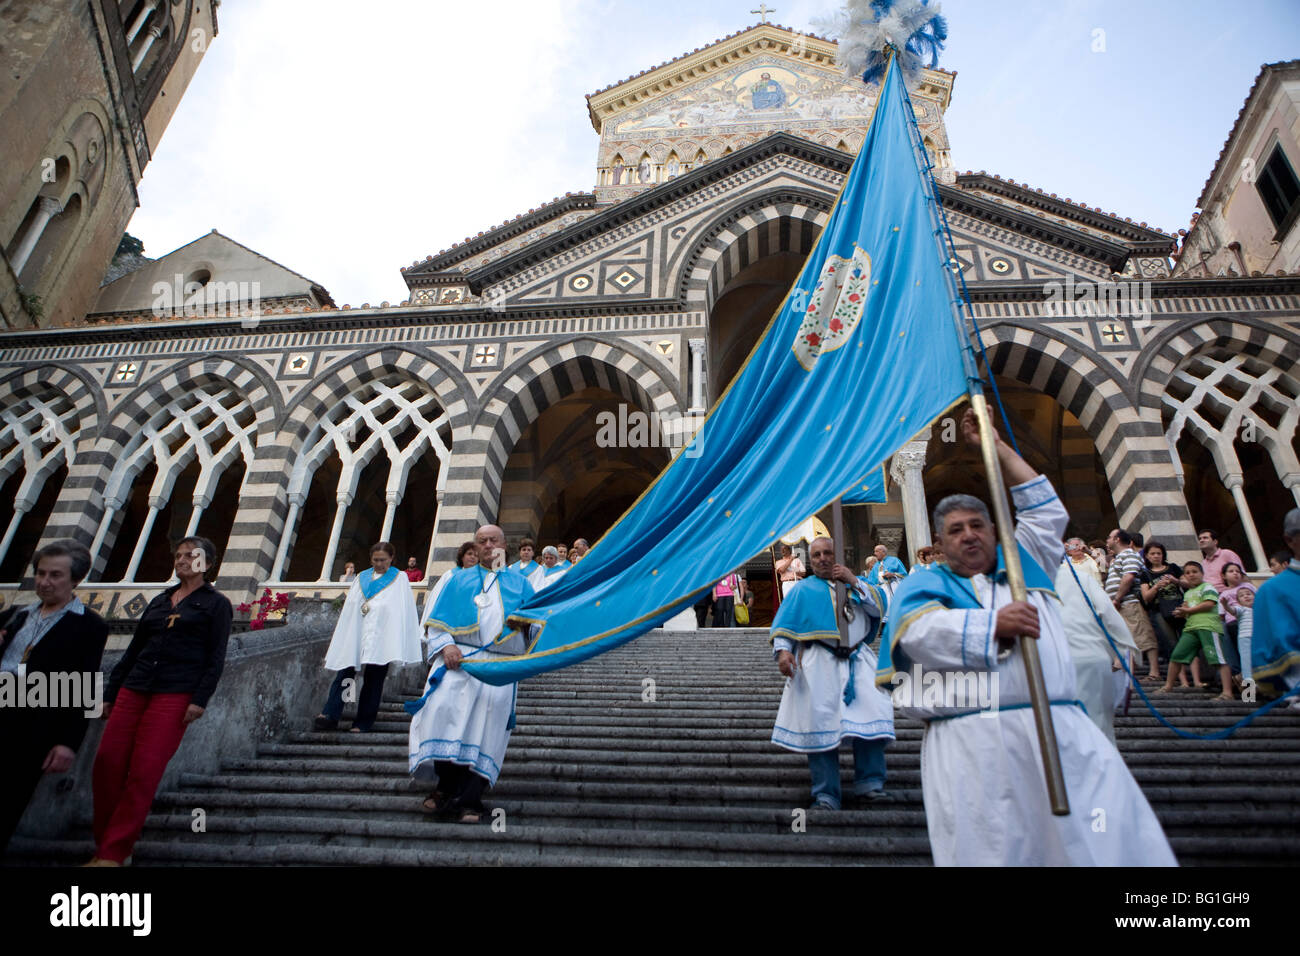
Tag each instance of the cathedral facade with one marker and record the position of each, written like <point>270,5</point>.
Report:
<point>294,433</point>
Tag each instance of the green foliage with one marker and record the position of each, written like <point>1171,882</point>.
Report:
<point>129,245</point>
<point>32,305</point>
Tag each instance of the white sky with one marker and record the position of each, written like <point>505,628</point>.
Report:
<point>347,140</point>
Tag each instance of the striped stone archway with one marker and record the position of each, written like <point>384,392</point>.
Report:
<point>1129,438</point>
<point>1226,383</point>
<point>50,417</point>
<point>262,520</point>
<point>537,381</point>
<point>785,220</point>
<point>97,520</point>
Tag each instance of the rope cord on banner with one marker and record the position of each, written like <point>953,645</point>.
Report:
<point>954,263</point>
<point>1216,735</point>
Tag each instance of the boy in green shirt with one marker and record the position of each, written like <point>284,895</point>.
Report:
<point>1202,631</point>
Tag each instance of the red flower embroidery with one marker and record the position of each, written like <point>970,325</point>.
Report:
<point>854,297</point>
<point>836,325</point>
<point>813,339</point>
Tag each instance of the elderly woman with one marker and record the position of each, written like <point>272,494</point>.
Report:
<point>56,635</point>
<point>161,685</point>
<point>550,571</point>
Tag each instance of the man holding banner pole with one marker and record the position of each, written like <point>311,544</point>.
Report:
<point>982,772</point>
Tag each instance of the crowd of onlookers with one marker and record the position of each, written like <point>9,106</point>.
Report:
<point>1191,622</point>
<point>1198,617</point>
<point>554,559</point>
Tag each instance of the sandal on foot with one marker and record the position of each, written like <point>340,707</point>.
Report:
<point>324,723</point>
<point>435,803</point>
<point>1223,699</point>
<point>470,816</point>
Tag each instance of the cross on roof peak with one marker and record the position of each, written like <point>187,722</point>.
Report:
<point>762,11</point>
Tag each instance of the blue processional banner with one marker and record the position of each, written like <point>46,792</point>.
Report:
<point>862,355</point>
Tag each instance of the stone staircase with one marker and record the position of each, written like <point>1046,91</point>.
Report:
<point>606,768</point>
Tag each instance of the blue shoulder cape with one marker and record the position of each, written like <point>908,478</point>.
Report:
<point>891,564</point>
<point>525,569</point>
<point>371,585</point>
<point>456,611</point>
<point>1275,638</point>
<point>807,611</point>
<point>919,594</point>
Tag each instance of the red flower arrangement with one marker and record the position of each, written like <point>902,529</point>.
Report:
<point>266,605</point>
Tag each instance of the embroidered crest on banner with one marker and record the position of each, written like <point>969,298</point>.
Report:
<point>835,307</point>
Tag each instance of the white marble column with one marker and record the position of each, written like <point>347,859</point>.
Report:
<point>696,383</point>
<point>344,499</point>
<point>20,509</point>
<point>201,503</point>
<point>908,472</point>
<point>46,209</point>
<point>156,504</point>
<point>1292,482</point>
<point>155,34</point>
<point>1234,484</point>
<point>393,498</point>
<point>138,23</point>
<point>290,524</point>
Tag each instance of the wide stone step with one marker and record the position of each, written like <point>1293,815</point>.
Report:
<point>1281,819</point>
<point>292,853</point>
<point>395,746</point>
<point>1191,851</point>
<point>810,847</point>
<point>755,755</point>
<point>596,775</point>
<point>746,794</point>
<point>330,807</point>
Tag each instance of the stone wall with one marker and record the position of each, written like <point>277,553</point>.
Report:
<point>273,684</point>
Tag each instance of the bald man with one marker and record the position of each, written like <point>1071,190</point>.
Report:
<point>831,694</point>
<point>460,729</point>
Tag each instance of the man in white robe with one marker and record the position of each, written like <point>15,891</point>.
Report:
<point>982,778</point>
<point>831,693</point>
<point>460,729</point>
<point>1095,663</point>
<point>378,626</point>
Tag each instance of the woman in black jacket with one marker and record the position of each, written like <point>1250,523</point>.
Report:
<point>57,642</point>
<point>161,685</point>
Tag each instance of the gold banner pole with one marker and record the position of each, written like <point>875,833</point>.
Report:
<point>1016,580</point>
<point>841,593</point>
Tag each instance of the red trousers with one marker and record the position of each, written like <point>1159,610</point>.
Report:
<point>143,733</point>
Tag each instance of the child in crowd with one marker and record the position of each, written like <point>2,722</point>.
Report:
<point>1243,607</point>
<point>1202,630</point>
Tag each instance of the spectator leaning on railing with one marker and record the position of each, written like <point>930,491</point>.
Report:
<point>56,635</point>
